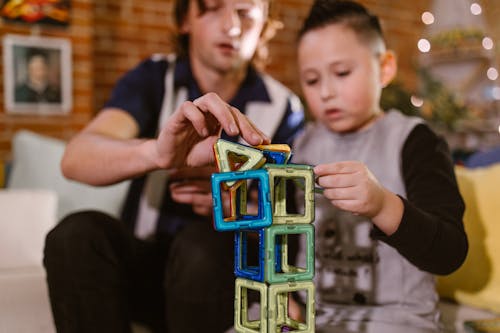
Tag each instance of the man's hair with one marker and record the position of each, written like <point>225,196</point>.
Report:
<point>182,40</point>
<point>349,13</point>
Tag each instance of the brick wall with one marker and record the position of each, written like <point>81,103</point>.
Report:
<point>80,33</point>
<point>125,33</point>
<point>111,36</point>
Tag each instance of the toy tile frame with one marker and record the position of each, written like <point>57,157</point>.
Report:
<point>263,219</point>
<point>288,273</point>
<point>17,52</point>
<point>242,323</point>
<point>278,192</point>
<point>226,157</point>
<point>278,307</point>
<point>276,153</point>
<point>241,267</point>
<point>273,307</point>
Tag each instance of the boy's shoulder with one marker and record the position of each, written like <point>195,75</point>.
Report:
<point>394,124</point>
<point>394,117</point>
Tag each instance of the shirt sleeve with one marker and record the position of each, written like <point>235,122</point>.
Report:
<point>140,93</point>
<point>431,234</point>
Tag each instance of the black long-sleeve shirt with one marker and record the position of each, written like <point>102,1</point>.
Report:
<point>431,234</point>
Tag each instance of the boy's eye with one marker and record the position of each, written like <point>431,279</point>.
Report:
<point>343,73</point>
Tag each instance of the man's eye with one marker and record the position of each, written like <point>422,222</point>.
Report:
<point>212,8</point>
<point>243,13</point>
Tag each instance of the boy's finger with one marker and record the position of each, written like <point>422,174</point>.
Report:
<point>335,168</point>
<point>335,181</point>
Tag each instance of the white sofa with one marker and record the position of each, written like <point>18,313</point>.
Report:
<point>36,197</point>
<point>25,217</point>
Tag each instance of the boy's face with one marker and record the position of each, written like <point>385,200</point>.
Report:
<point>226,35</point>
<point>341,78</point>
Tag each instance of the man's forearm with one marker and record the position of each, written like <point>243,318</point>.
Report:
<point>98,160</point>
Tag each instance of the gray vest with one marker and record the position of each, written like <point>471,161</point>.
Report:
<point>358,279</point>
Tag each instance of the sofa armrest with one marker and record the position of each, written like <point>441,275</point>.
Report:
<point>36,165</point>
<point>454,315</point>
<point>25,218</point>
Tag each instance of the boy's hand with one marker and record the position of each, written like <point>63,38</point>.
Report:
<point>350,186</point>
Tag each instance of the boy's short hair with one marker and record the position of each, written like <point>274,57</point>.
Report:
<point>181,9</point>
<point>352,14</point>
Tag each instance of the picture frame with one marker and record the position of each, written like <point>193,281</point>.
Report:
<point>37,75</point>
<point>46,12</point>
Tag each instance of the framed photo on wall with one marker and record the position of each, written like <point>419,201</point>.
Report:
<point>37,75</point>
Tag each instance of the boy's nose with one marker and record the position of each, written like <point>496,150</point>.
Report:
<point>327,89</point>
<point>232,23</point>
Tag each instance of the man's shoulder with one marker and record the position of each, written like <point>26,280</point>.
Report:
<point>272,83</point>
<point>156,64</point>
<point>278,91</point>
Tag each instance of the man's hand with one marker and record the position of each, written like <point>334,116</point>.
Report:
<point>190,133</point>
<point>192,186</point>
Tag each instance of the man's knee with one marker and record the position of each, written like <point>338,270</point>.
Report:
<point>78,233</point>
<point>201,258</point>
<point>78,226</point>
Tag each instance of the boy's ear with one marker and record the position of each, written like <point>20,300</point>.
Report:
<point>388,67</point>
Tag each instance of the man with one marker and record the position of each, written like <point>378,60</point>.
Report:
<point>163,264</point>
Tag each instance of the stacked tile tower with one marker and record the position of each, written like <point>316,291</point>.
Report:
<point>272,277</point>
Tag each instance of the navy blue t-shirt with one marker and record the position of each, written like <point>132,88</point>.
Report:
<point>140,92</point>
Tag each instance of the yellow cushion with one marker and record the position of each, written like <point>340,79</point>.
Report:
<point>477,282</point>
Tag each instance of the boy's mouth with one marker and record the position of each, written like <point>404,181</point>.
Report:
<point>333,113</point>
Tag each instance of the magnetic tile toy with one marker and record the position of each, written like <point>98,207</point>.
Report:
<point>231,156</point>
<point>287,273</point>
<point>278,176</point>
<point>262,219</point>
<point>273,306</point>
<point>270,225</point>
<point>254,272</point>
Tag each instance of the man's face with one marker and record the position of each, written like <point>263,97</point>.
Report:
<point>225,36</point>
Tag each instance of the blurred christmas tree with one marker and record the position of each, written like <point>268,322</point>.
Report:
<point>439,106</point>
<point>396,96</point>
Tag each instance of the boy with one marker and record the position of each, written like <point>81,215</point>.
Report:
<point>175,275</point>
<point>391,214</point>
